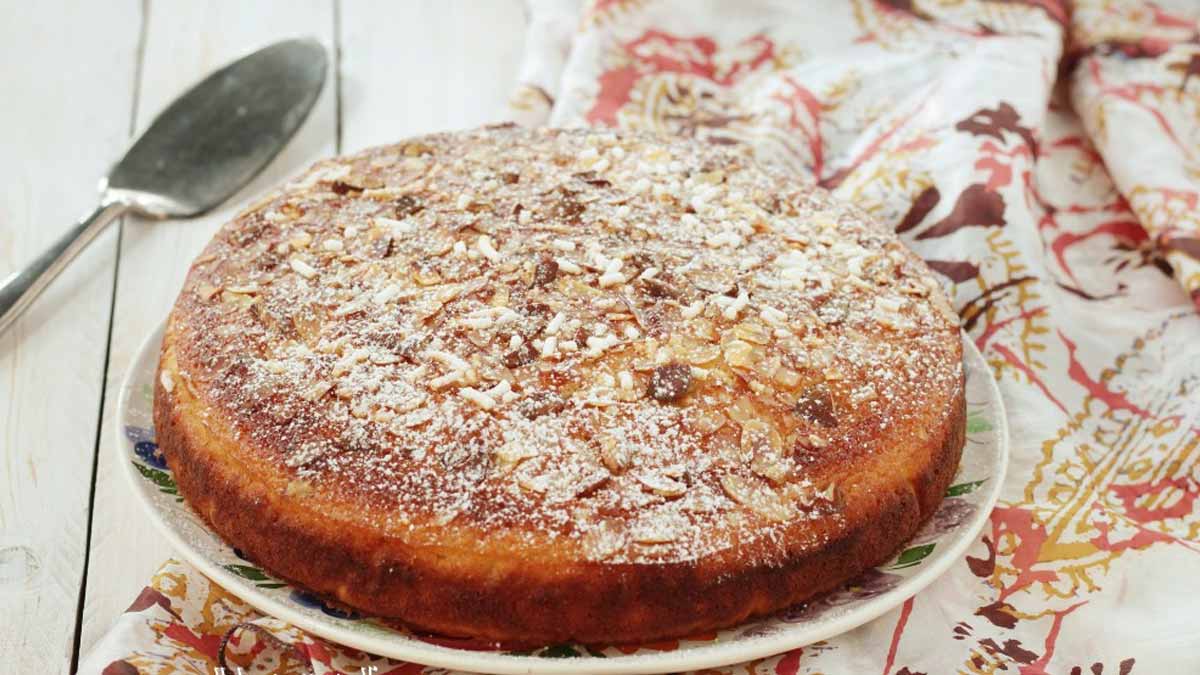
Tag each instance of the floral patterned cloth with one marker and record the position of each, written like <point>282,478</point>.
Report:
<point>1044,157</point>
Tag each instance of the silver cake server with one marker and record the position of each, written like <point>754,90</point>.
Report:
<point>208,143</point>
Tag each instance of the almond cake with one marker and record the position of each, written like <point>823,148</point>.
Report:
<point>548,385</point>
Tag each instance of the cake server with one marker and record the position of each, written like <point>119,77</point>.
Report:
<point>208,143</point>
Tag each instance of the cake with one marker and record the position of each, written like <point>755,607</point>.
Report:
<point>549,385</point>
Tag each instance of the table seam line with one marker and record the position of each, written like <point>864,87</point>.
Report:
<point>139,62</point>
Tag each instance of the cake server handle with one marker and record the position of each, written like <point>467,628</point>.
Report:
<point>21,288</point>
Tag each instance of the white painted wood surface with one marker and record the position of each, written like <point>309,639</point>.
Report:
<point>62,119</point>
<point>76,78</point>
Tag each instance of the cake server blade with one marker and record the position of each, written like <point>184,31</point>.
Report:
<point>201,149</point>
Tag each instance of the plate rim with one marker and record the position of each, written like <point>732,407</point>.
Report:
<point>438,656</point>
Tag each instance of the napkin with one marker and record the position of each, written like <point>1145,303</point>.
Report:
<point>1044,158</point>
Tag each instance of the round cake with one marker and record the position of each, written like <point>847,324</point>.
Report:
<point>555,385</point>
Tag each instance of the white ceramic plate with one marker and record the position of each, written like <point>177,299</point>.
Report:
<point>939,544</point>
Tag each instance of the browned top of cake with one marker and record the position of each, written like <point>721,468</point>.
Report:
<point>653,348</point>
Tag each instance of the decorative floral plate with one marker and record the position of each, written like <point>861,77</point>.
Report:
<point>942,541</point>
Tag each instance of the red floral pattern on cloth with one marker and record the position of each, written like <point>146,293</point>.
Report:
<point>1044,157</point>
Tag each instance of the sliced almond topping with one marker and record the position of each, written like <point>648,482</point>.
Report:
<point>302,268</point>
<point>710,420</point>
<point>740,354</point>
<point>771,465</point>
<point>656,530</point>
<point>661,484</point>
<point>316,390</point>
<point>755,496</point>
<point>479,398</point>
<point>511,454</point>
<point>752,331</point>
<point>613,454</point>
<point>604,539</point>
<point>207,292</point>
<point>693,310</point>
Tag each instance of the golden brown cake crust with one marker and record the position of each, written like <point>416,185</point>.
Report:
<point>546,385</point>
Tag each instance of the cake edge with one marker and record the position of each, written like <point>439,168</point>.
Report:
<point>591,604</point>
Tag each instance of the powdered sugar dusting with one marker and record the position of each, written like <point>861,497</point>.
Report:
<point>640,346</point>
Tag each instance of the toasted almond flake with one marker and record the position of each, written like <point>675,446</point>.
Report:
<point>701,354</point>
<point>300,240</point>
<point>387,294</point>
<point>500,389</point>
<point>863,394</point>
<point>333,245</point>
<point>549,346</point>
<point>739,303</point>
<point>740,354</point>
<point>451,361</point>
<point>302,268</point>
<point>597,344</point>
<point>772,466</point>
<point>567,266</point>
<point>565,245</point>
<point>786,376</point>
<point>603,540</point>
<point>507,316</point>
<point>613,454</point>
<point>397,227</point>
<point>725,238</point>
<point>509,455</point>
<point>693,310</point>
<point>756,497</point>
<point>655,532</point>
<point>753,332</point>
<point>350,307</point>
<point>515,341</point>
<point>477,322</point>
<point>477,397</point>
<point>660,484</point>
<point>460,248</point>
<point>487,248</point>
<point>568,346</point>
<point>316,390</point>
<point>451,377</point>
<point>649,273</point>
<point>555,324</point>
<point>626,379</point>
<point>168,384</point>
<point>773,316</point>
<point>611,279</point>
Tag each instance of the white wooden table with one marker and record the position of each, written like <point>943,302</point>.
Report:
<point>77,81</point>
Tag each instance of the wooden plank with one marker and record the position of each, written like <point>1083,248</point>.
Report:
<point>415,67</point>
<point>184,42</point>
<point>64,118</point>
